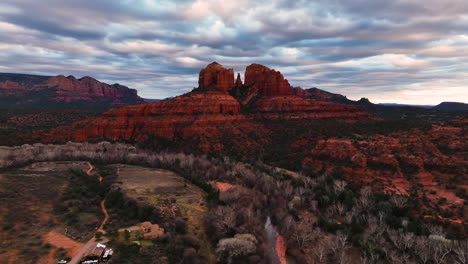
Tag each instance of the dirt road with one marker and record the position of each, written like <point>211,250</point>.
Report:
<point>106,217</point>
<point>92,242</point>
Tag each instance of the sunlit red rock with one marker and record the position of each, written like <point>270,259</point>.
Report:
<point>209,117</point>
<point>216,75</point>
<point>268,82</point>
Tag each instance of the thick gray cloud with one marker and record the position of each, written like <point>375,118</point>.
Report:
<point>406,51</point>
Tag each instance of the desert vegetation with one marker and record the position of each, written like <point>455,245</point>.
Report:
<point>322,218</point>
<point>29,196</point>
<point>18,126</point>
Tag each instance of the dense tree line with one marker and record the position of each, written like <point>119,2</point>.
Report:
<point>384,228</point>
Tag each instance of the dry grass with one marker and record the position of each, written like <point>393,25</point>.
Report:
<point>171,193</point>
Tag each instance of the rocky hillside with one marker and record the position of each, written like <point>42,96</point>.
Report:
<point>417,155</point>
<point>61,91</point>
<point>221,113</point>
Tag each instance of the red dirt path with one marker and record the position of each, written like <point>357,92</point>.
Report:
<point>61,241</point>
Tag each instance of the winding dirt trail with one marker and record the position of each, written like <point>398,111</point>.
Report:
<point>106,217</point>
<point>92,242</point>
<point>91,168</point>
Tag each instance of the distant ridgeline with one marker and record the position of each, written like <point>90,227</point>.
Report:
<point>23,90</point>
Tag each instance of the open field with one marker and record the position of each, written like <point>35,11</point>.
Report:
<point>29,226</point>
<point>37,223</point>
<point>171,193</point>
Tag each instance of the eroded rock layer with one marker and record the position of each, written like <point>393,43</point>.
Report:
<point>25,89</point>
<point>211,118</point>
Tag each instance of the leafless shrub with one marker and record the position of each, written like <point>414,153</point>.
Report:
<point>461,251</point>
<point>239,245</point>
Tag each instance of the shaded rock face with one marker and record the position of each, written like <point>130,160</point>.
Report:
<point>318,94</point>
<point>298,91</point>
<point>9,88</point>
<point>216,75</point>
<point>266,81</point>
<point>294,107</point>
<point>42,89</point>
<point>451,106</point>
<point>239,81</point>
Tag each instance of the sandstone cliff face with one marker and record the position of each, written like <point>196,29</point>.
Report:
<point>200,119</point>
<point>216,75</point>
<point>294,107</point>
<point>266,81</point>
<point>88,89</point>
<point>42,89</point>
<point>209,117</point>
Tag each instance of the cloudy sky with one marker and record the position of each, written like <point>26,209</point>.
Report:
<point>404,51</point>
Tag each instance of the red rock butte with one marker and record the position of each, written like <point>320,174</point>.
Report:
<point>218,111</point>
<point>268,82</point>
<point>259,79</point>
<point>216,75</point>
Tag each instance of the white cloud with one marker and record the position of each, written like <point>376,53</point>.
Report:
<point>398,50</point>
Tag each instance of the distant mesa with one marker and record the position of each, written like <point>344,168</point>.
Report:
<point>318,94</point>
<point>451,106</point>
<point>34,90</point>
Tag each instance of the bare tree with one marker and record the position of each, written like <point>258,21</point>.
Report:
<point>342,238</point>
<point>440,251</point>
<point>423,249</point>
<point>303,237</point>
<point>321,250</point>
<point>223,219</point>
<point>461,251</point>
<point>339,186</point>
<point>408,240</point>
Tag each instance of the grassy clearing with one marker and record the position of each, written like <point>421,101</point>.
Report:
<point>172,194</point>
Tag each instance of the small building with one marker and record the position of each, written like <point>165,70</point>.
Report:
<point>99,254</point>
<point>149,230</point>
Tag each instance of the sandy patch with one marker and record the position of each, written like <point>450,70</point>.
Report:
<point>61,241</point>
<point>222,186</point>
